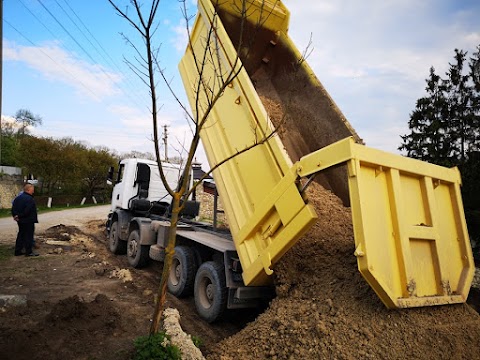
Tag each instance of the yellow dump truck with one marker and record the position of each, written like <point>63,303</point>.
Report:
<point>411,240</point>
<point>251,88</point>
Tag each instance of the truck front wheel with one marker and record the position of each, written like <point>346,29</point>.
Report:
<point>137,254</point>
<point>115,244</point>
<point>182,272</point>
<point>210,291</point>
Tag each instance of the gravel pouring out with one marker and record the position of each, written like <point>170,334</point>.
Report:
<point>325,309</point>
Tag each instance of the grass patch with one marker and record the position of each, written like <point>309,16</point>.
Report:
<point>156,347</point>
<point>197,341</point>
<point>5,213</point>
<point>43,209</point>
<point>6,252</point>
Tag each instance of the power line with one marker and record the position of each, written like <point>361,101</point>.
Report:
<point>68,33</point>
<point>126,93</point>
<point>98,49</point>
<point>60,65</point>
<point>36,17</point>
<point>93,37</point>
<point>93,46</point>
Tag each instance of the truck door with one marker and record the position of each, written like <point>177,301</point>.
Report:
<point>117,194</point>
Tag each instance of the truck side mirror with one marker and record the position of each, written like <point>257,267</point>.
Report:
<point>110,175</point>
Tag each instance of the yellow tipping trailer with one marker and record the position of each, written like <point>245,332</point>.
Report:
<point>411,240</point>
<point>287,86</point>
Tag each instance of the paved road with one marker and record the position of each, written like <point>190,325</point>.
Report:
<point>72,217</point>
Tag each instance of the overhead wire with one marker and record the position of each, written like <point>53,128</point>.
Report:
<point>83,49</point>
<point>68,33</point>
<point>107,55</point>
<point>95,47</point>
<point>47,55</point>
<point>66,45</point>
<point>127,94</point>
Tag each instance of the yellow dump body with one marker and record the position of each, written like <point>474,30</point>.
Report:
<point>411,239</point>
<point>265,211</point>
<point>286,84</point>
<point>403,260</point>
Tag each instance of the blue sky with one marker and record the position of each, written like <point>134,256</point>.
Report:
<point>63,60</point>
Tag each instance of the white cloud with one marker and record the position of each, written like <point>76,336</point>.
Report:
<point>373,57</point>
<point>180,38</point>
<point>131,117</point>
<point>56,64</point>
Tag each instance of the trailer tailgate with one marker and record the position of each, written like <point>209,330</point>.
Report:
<point>412,244</point>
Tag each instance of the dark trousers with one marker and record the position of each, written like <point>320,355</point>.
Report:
<point>24,238</point>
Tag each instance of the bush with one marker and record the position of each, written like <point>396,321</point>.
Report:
<point>156,347</point>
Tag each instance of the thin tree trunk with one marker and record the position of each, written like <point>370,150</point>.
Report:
<point>169,252</point>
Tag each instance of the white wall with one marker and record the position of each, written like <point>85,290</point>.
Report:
<point>10,170</point>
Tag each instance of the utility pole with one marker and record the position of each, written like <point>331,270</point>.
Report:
<point>1,75</point>
<point>165,137</point>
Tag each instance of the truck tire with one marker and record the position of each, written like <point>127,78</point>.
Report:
<point>115,244</point>
<point>210,291</point>
<point>137,254</point>
<point>182,272</point>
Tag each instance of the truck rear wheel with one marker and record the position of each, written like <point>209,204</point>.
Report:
<point>182,272</point>
<point>115,244</point>
<point>137,254</point>
<point>210,291</point>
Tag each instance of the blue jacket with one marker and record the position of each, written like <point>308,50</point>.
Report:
<point>24,206</point>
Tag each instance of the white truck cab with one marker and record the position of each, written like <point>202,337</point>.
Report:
<point>138,225</point>
<point>140,179</point>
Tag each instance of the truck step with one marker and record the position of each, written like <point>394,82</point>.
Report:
<point>157,252</point>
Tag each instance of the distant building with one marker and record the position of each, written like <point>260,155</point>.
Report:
<point>198,172</point>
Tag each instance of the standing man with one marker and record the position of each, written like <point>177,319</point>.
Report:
<point>24,212</point>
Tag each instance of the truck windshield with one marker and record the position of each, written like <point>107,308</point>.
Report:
<point>120,173</point>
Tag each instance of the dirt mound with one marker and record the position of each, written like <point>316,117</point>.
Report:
<point>324,308</point>
<point>76,308</point>
<point>70,330</point>
<point>74,314</point>
<point>59,230</point>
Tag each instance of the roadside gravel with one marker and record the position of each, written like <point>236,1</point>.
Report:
<point>70,217</point>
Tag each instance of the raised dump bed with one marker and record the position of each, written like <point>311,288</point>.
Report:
<point>287,86</point>
<point>407,214</point>
<point>265,211</point>
<point>411,238</point>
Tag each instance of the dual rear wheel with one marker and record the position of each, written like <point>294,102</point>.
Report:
<point>207,282</point>
<point>187,273</point>
<point>115,244</point>
<point>210,290</point>
<point>137,254</point>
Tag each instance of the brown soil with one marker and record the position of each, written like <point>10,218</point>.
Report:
<point>81,305</point>
<point>324,308</point>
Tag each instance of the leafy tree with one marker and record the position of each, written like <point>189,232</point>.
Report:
<point>445,125</point>
<point>208,89</point>
<point>11,129</point>
<point>461,114</point>
<point>25,118</point>
<point>474,66</point>
<point>41,157</point>
<point>9,126</point>
<point>64,163</point>
<point>93,165</point>
<point>429,124</point>
<point>9,148</point>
